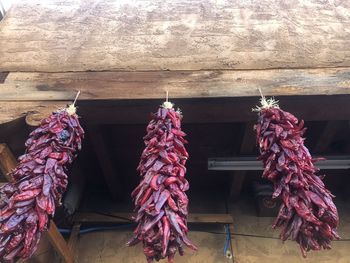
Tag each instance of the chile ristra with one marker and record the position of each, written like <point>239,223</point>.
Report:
<point>40,179</point>
<point>307,214</point>
<point>160,199</point>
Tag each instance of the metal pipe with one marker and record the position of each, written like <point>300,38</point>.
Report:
<point>251,164</point>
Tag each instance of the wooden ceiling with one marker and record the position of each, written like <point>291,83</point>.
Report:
<point>212,56</point>
<point>119,51</point>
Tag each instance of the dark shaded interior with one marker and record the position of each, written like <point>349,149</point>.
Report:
<point>208,135</point>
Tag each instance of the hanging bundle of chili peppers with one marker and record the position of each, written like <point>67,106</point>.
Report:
<point>160,199</point>
<point>307,214</point>
<point>40,179</point>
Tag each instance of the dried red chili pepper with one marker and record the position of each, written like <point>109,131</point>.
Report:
<point>39,181</point>
<point>160,197</point>
<point>307,214</point>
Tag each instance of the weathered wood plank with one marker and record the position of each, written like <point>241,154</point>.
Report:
<point>11,110</point>
<point>73,240</point>
<point>54,90</point>
<point>180,84</point>
<point>89,217</point>
<point>58,242</point>
<point>311,108</point>
<point>77,35</point>
<point>7,161</point>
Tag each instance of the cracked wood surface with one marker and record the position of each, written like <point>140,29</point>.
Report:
<point>180,84</point>
<point>72,35</point>
<point>36,95</point>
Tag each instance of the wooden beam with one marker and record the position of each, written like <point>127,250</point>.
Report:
<point>10,111</point>
<point>73,240</point>
<point>180,84</point>
<point>90,217</point>
<point>7,163</point>
<point>36,95</point>
<point>59,244</point>
<point>205,110</point>
<point>174,34</point>
<point>108,170</point>
<point>247,147</point>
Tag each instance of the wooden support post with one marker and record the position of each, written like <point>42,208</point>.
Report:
<point>74,235</point>
<point>104,159</point>
<point>247,146</point>
<point>58,242</point>
<point>9,162</point>
<point>73,240</point>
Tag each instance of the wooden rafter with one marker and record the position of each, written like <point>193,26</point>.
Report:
<point>7,161</point>
<point>73,239</point>
<point>247,146</point>
<point>180,84</point>
<point>203,110</point>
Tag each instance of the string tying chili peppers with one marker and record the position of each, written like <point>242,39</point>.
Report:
<point>40,179</point>
<point>160,199</point>
<point>307,214</point>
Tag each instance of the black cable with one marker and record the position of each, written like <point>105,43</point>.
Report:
<point>228,229</point>
<point>211,232</point>
<point>250,235</point>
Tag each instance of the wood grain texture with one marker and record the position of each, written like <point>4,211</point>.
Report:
<point>38,94</point>
<point>73,35</point>
<point>11,110</point>
<point>60,245</point>
<point>180,84</point>
<point>74,236</point>
<point>7,161</point>
<point>224,110</point>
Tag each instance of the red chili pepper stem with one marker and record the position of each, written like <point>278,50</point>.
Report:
<point>71,109</point>
<point>265,103</point>
<point>167,104</point>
